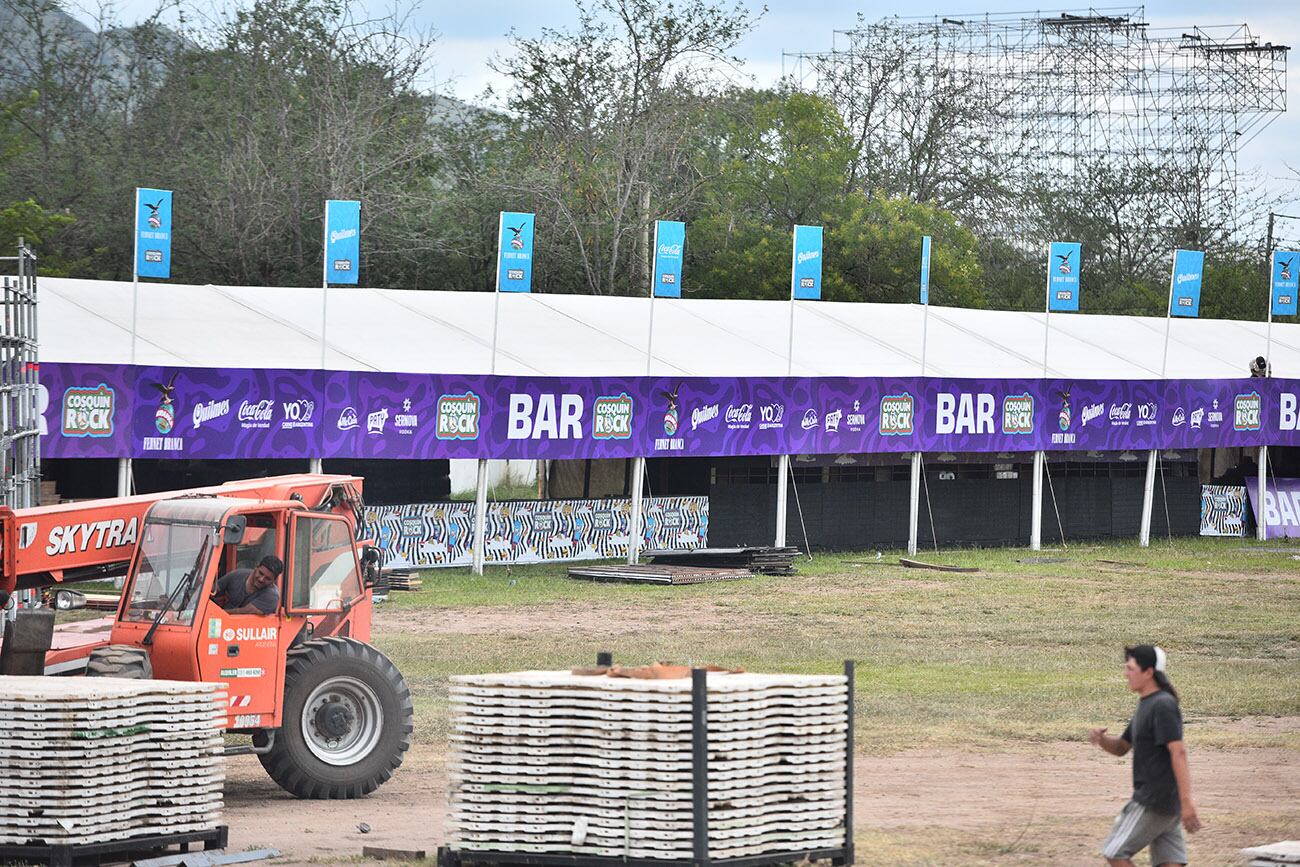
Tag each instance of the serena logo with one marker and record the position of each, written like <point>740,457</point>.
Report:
<point>1018,414</point>
<point>458,416</point>
<point>897,415</point>
<point>611,418</point>
<point>1246,411</point>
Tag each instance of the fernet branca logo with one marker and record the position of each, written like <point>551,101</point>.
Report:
<point>458,416</point>
<point>1064,265</point>
<point>1018,414</point>
<point>611,417</point>
<point>1246,411</point>
<point>209,411</point>
<point>1285,273</point>
<point>897,415</point>
<point>164,418</point>
<point>88,412</point>
<point>1063,418</point>
<point>671,416</point>
<point>516,238</point>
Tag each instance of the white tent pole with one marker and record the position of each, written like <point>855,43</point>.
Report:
<point>1268,371</point>
<point>124,477</point>
<point>1149,487</point>
<point>783,464</point>
<point>1263,488</point>
<point>324,283</point>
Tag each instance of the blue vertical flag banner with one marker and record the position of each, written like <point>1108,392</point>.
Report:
<point>515,253</point>
<point>925,269</point>
<point>153,233</point>
<point>1063,267</point>
<point>1283,286</point>
<point>806,265</point>
<point>1185,283</point>
<point>670,241</point>
<point>342,241</point>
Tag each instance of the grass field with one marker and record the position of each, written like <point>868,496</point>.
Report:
<point>1027,649</point>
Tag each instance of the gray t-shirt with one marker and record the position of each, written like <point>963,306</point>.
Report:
<point>1157,721</point>
<point>235,587</point>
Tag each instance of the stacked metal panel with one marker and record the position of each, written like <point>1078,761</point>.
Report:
<point>94,760</point>
<point>561,763</point>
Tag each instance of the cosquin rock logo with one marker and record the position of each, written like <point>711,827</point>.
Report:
<point>612,418</point>
<point>1246,411</point>
<point>897,412</point>
<point>1063,418</point>
<point>672,417</point>
<point>165,417</point>
<point>1064,267</point>
<point>1018,414</point>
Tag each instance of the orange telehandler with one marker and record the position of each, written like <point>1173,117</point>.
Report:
<point>330,715</point>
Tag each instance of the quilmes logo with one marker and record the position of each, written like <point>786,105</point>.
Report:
<point>672,417</point>
<point>458,416</point>
<point>1018,414</point>
<point>516,239</point>
<point>809,419</point>
<point>297,413</point>
<point>702,414</point>
<point>1064,267</point>
<point>164,419</point>
<point>1246,411</point>
<point>348,419</point>
<point>88,412</point>
<point>210,411</point>
<point>611,417</point>
<point>740,417</point>
<point>897,415</point>
<point>1091,411</point>
<point>1063,418</point>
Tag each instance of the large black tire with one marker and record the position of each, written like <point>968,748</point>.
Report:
<point>120,660</point>
<point>347,721</point>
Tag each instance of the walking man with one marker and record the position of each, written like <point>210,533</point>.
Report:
<point>1162,784</point>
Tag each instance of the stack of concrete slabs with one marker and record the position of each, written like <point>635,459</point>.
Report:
<point>558,763</point>
<point>95,760</point>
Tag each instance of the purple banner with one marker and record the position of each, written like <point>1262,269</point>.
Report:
<point>154,412</point>
<point>1281,510</point>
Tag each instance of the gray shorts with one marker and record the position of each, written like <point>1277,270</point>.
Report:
<point>1138,827</point>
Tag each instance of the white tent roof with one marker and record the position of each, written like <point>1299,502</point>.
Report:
<point>578,335</point>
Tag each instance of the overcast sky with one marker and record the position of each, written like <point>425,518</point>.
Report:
<point>472,32</point>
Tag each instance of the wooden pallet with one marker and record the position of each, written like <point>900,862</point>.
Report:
<point>655,573</point>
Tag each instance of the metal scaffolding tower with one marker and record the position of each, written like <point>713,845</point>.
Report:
<point>1060,102</point>
<point>21,409</point>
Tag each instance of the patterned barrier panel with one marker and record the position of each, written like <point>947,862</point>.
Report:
<point>426,535</point>
<point>1223,510</point>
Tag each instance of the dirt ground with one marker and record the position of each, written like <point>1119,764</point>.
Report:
<point>1031,803</point>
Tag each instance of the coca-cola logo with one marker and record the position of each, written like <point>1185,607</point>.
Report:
<point>258,411</point>
<point>740,416</point>
<point>1121,413</point>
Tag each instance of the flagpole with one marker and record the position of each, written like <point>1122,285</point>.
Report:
<point>914,495</point>
<point>135,276</point>
<point>783,462</point>
<point>1149,487</point>
<point>325,282</point>
<point>480,490</point>
<point>1040,456</point>
<point>635,532</point>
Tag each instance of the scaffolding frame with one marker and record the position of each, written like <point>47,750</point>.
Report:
<point>1058,100</point>
<point>21,404</point>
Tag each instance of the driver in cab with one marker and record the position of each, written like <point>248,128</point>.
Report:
<point>250,591</point>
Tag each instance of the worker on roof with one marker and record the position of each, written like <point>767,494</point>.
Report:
<point>251,591</point>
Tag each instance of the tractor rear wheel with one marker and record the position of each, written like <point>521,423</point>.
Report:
<point>346,721</point>
<point>120,660</point>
